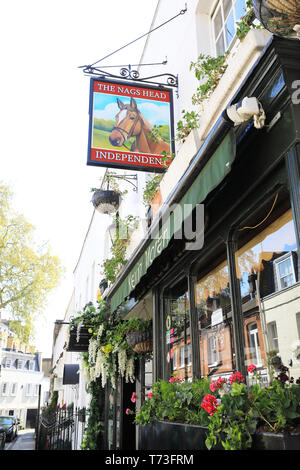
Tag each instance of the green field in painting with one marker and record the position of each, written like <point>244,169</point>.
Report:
<point>101,140</point>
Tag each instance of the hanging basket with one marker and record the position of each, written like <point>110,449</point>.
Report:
<point>106,201</point>
<point>280,17</point>
<point>140,342</point>
<point>82,345</point>
<point>103,286</point>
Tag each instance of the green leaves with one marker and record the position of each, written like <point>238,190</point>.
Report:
<point>28,272</point>
<point>189,121</point>
<point>210,69</point>
<point>114,264</point>
<point>151,189</point>
<point>175,401</point>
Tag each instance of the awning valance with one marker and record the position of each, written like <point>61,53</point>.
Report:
<point>211,175</point>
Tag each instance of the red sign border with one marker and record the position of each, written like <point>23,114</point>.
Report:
<point>139,159</point>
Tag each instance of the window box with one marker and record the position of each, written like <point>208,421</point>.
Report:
<point>164,435</point>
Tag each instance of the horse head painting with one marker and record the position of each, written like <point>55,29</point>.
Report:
<point>130,122</point>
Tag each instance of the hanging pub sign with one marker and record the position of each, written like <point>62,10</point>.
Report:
<point>131,126</point>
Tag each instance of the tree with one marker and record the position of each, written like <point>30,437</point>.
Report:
<point>27,272</point>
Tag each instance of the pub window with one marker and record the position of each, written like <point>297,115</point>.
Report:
<point>268,258</point>
<point>213,304</point>
<point>224,19</point>
<point>176,331</point>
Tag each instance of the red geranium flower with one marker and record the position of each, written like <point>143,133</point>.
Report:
<point>210,404</point>
<point>215,385</point>
<point>150,395</point>
<point>251,368</point>
<point>133,397</point>
<point>237,377</point>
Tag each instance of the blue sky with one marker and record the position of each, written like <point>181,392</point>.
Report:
<point>157,113</point>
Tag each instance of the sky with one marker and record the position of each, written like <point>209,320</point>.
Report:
<point>44,101</point>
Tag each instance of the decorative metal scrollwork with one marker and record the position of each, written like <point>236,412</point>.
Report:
<point>130,74</point>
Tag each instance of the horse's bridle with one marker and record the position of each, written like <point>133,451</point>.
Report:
<point>123,131</point>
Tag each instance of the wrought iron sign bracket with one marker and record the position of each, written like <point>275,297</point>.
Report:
<point>127,73</point>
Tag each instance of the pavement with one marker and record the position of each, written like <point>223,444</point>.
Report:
<point>25,440</point>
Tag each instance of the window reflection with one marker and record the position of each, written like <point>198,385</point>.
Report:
<point>177,332</point>
<point>269,258</point>
<point>267,264</point>
<point>212,296</point>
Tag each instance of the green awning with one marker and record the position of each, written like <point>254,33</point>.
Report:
<point>211,175</point>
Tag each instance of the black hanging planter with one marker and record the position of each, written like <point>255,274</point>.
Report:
<point>140,341</point>
<point>278,17</point>
<point>103,285</point>
<point>106,201</point>
<point>82,345</point>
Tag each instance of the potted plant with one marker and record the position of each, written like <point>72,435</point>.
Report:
<point>124,228</point>
<point>171,416</point>
<point>139,335</point>
<point>109,356</point>
<point>103,285</point>
<point>106,201</point>
<point>80,329</point>
<point>278,17</point>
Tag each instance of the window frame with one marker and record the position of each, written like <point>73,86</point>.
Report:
<point>219,7</point>
<point>8,360</point>
<point>252,331</point>
<point>182,356</point>
<point>273,339</point>
<point>14,389</point>
<point>20,364</point>
<point>212,351</point>
<point>277,262</point>
<point>5,386</point>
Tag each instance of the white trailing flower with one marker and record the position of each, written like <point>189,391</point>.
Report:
<point>130,370</point>
<point>100,331</point>
<point>99,363</point>
<point>92,350</point>
<point>80,324</point>
<point>92,374</point>
<point>122,361</point>
<point>103,375</point>
<point>113,381</point>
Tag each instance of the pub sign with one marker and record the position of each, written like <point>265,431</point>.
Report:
<point>130,126</point>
